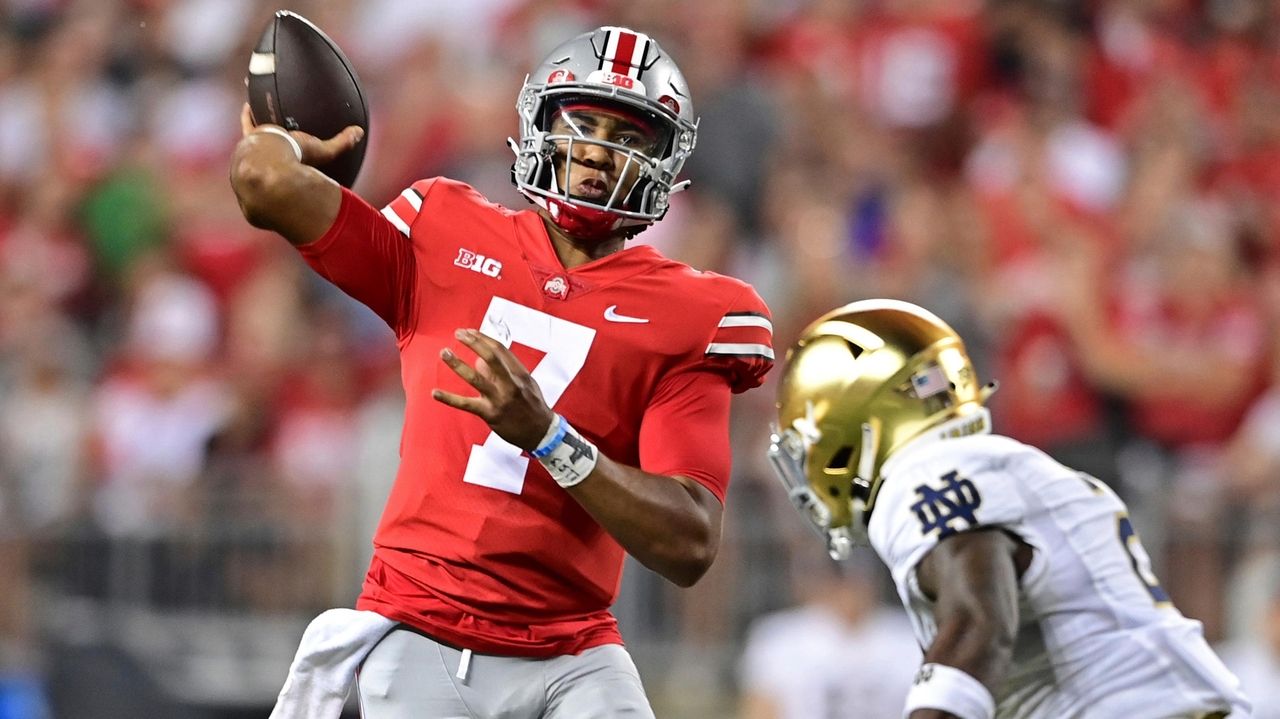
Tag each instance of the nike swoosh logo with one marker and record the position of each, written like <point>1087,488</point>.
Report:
<point>611,314</point>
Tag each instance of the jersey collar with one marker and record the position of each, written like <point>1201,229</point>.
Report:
<point>635,258</point>
<point>972,423</point>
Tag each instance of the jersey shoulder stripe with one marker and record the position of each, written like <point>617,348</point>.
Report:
<point>742,334</point>
<point>404,209</point>
<point>740,342</point>
<point>746,319</point>
<point>739,349</point>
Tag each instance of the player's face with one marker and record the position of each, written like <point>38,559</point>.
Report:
<point>595,170</point>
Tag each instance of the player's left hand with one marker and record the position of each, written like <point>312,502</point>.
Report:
<point>315,151</point>
<point>510,400</point>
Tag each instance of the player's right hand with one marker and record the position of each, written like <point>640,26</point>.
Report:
<point>314,150</point>
<point>510,400</point>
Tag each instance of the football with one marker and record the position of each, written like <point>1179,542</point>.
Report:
<point>300,79</point>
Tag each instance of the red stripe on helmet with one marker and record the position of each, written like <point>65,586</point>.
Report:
<point>622,56</point>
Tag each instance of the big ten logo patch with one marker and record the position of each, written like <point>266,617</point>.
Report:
<point>938,508</point>
<point>478,263</point>
<point>613,78</point>
<point>625,82</point>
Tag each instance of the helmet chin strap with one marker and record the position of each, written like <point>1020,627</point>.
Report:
<point>582,222</point>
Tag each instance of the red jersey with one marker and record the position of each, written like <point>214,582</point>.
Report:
<point>477,545</point>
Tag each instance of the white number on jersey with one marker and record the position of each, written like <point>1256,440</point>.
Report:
<point>498,464</point>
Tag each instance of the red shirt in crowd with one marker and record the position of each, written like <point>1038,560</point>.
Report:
<point>1235,329</point>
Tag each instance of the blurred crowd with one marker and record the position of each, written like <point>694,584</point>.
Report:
<point>1089,190</point>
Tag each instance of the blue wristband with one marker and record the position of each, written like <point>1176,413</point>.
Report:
<point>550,445</point>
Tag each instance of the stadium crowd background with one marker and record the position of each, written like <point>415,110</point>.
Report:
<point>196,434</point>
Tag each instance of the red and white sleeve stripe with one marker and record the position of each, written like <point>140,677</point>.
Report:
<point>403,210</point>
<point>742,334</point>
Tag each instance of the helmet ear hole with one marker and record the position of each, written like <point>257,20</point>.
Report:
<point>839,462</point>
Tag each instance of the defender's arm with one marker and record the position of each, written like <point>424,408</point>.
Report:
<point>973,578</point>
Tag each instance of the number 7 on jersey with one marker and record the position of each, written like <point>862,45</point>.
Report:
<point>497,464</point>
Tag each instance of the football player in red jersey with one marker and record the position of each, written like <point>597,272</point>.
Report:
<point>560,413</point>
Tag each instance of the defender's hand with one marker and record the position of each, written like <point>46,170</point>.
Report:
<point>314,150</point>
<point>510,400</point>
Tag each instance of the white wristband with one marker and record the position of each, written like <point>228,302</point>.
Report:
<point>566,455</point>
<point>297,149</point>
<point>948,689</point>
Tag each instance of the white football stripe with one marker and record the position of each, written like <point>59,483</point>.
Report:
<point>391,215</point>
<point>262,63</point>
<point>747,321</point>
<point>739,348</point>
<point>413,199</point>
<point>637,57</point>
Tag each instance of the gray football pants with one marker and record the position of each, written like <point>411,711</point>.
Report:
<point>411,676</point>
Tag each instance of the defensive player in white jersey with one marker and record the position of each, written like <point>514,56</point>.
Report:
<point>1026,584</point>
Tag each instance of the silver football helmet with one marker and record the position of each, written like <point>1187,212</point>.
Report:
<point>617,69</point>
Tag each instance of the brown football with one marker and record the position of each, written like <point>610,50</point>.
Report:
<point>300,79</point>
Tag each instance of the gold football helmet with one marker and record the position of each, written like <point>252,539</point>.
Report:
<point>862,381</point>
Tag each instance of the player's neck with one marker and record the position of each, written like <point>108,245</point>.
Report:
<point>573,251</point>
